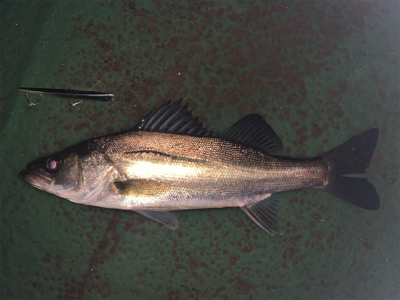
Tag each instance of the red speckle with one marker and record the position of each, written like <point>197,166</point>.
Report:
<point>303,114</point>
<point>233,260</point>
<point>292,98</point>
<point>382,94</point>
<point>243,286</point>
<point>289,252</point>
<point>296,239</point>
<point>318,131</point>
<point>317,217</point>
<point>342,88</point>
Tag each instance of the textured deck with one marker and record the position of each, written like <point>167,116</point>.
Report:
<point>318,71</point>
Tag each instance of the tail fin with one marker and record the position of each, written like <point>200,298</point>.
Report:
<point>353,157</point>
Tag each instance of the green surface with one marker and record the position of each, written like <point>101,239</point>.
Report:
<point>319,72</point>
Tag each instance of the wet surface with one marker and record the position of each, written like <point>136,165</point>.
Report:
<point>318,71</point>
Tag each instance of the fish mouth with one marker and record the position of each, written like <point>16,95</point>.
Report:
<point>26,175</point>
<point>33,178</point>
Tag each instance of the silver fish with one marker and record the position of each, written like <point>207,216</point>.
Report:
<point>170,162</point>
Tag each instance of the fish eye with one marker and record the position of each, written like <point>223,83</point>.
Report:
<point>52,164</point>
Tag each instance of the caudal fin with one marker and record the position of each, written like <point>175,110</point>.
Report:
<point>353,157</point>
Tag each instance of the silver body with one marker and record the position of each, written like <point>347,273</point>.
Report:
<point>176,172</point>
<point>170,162</point>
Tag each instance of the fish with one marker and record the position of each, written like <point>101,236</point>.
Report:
<point>171,162</point>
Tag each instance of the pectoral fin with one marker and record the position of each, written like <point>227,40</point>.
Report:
<point>264,214</point>
<point>148,188</point>
<point>163,217</point>
<point>141,188</point>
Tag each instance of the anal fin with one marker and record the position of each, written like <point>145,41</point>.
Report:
<point>164,217</point>
<point>264,214</point>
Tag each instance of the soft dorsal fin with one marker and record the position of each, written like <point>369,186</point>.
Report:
<point>254,132</point>
<point>173,118</point>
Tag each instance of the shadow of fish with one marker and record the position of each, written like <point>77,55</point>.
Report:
<point>170,162</point>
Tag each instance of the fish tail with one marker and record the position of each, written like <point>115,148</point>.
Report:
<point>352,157</point>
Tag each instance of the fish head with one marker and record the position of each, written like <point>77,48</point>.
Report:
<point>75,174</point>
<point>54,174</point>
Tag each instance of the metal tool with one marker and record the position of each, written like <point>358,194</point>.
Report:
<point>70,94</point>
<point>30,102</point>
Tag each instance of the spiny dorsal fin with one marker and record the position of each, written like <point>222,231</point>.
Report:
<point>264,213</point>
<point>173,118</point>
<point>254,132</point>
